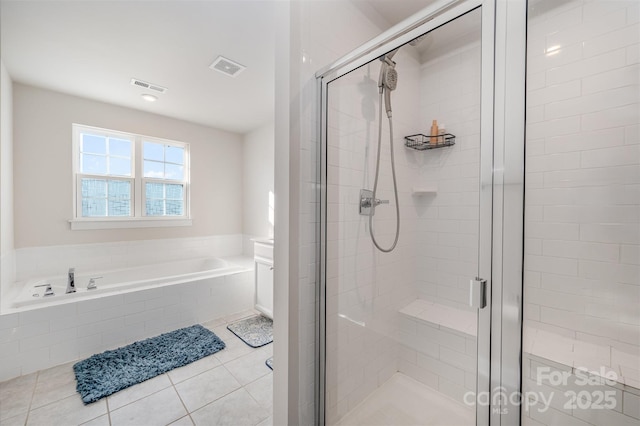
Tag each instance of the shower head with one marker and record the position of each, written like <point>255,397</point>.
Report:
<point>388,79</point>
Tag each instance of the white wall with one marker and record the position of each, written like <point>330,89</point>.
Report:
<point>582,227</point>
<point>258,182</point>
<point>42,172</point>
<point>6,180</point>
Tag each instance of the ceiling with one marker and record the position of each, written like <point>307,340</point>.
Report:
<point>94,48</point>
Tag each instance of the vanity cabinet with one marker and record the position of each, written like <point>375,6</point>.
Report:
<point>263,258</point>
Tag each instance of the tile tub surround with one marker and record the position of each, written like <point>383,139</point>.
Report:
<point>232,385</point>
<point>56,260</point>
<point>36,339</point>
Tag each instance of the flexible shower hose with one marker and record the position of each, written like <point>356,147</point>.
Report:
<point>375,182</point>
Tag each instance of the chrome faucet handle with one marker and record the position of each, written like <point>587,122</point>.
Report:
<point>92,283</point>
<point>48,291</point>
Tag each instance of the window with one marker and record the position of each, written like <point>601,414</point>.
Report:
<point>112,187</point>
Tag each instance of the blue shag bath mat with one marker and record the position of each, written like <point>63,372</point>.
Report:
<point>255,331</point>
<point>269,363</point>
<point>111,371</point>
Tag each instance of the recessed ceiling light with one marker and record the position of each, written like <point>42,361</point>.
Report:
<point>149,98</point>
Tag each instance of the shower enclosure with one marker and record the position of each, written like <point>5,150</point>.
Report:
<point>451,293</point>
<point>408,224</point>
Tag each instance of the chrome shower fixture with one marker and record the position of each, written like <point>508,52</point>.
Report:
<point>388,80</point>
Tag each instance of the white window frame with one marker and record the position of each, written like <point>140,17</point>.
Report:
<point>138,218</point>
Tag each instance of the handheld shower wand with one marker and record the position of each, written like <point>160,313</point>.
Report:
<point>387,82</point>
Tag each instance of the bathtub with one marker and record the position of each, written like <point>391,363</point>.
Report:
<point>128,305</point>
<point>121,281</point>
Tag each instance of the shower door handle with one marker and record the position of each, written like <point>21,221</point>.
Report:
<point>478,293</point>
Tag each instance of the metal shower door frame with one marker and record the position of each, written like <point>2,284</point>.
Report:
<point>502,99</point>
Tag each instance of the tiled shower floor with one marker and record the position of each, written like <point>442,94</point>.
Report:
<point>231,387</point>
<point>404,401</point>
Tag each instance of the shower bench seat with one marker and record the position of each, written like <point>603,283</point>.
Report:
<point>460,321</point>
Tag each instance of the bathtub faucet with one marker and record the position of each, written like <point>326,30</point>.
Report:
<point>92,283</point>
<point>71,285</point>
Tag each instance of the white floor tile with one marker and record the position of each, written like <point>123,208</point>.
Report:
<point>68,411</point>
<point>206,387</point>
<point>235,348</point>
<point>193,369</point>
<point>54,384</point>
<point>15,420</point>
<point>250,367</point>
<point>15,395</point>
<point>138,391</point>
<point>98,421</point>
<point>235,409</point>
<point>262,390</point>
<point>161,408</point>
<point>183,421</point>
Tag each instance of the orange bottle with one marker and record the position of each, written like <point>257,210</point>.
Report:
<point>433,140</point>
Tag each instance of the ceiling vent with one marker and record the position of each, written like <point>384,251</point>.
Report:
<point>147,85</point>
<point>227,66</point>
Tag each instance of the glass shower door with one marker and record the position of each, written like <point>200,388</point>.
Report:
<point>402,341</point>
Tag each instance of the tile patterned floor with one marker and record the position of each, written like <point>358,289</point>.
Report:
<point>231,387</point>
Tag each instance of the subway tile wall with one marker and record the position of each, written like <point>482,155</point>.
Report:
<point>449,225</point>
<point>56,260</point>
<point>582,197</point>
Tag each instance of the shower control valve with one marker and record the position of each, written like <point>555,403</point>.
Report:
<point>367,202</point>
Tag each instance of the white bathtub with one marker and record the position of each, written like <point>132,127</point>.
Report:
<point>121,281</point>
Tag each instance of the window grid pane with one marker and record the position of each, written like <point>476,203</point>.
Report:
<point>164,199</point>
<point>103,155</point>
<point>104,198</point>
<point>163,161</point>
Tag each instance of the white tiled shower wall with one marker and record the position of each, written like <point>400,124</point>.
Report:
<point>582,197</point>
<point>447,240</point>
<point>450,93</point>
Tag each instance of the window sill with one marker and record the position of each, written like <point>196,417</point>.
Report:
<point>84,224</point>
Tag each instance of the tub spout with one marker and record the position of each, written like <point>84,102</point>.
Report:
<point>71,284</point>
